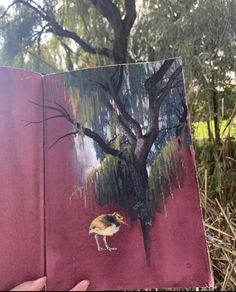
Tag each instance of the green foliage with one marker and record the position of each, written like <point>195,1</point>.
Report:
<point>201,32</point>
<point>86,21</point>
<point>114,183</point>
<point>108,176</point>
<point>161,179</point>
<point>200,129</point>
<point>198,31</point>
<point>17,33</point>
<point>220,164</point>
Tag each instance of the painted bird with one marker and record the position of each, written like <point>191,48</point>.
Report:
<point>106,225</point>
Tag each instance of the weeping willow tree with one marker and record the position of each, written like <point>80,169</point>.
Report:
<point>132,113</point>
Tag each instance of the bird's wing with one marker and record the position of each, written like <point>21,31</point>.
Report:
<point>100,223</point>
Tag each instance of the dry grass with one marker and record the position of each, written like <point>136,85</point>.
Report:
<point>217,182</point>
<point>220,226</point>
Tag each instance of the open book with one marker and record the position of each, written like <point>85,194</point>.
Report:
<point>98,179</point>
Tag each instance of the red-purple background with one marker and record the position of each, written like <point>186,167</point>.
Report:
<point>21,179</point>
<point>178,248</point>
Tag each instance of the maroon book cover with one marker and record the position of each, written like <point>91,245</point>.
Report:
<point>21,179</point>
<point>98,179</point>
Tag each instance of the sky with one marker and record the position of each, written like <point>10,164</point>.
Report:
<point>5,2</point>
<point>8,2</point>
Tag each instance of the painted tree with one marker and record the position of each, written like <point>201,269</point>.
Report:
<point>130,112</point>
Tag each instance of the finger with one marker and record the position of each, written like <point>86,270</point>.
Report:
<point>82,286</point>
<point>36,285</point>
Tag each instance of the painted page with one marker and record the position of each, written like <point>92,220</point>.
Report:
<point>21,178</point>
<point>122,203</point>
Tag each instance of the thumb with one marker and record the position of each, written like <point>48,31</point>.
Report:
<point>36,285</point>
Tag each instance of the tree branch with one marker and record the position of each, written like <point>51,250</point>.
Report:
<point>182,116</point>
<point>113,90</point>
<point>41,121</point>
<point>103,86</point>
<point>154,127</point>
<point>112,87</point>
<point>97,138</point>
<point>121,27</point>
<point>86,131</point>
<point>60,138</point>
<point>109,11</point>
<point>66,47</point>
<point>123,123</point>
<point>49,107</point>
<point>130,15</point>
<point>151,83</point>
<point>6,10</point>
<point>37,8</point>
<point>166,89</point>
<point>120,118</point>
<point>168,128</point>
<point>58,30</point>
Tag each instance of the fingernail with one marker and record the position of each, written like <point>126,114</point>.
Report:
<point>40,281</point>
<point>85,283</point>
<point>81,286</point>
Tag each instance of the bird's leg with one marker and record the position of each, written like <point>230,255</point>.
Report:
<point>98,246</point>
<point>107,246</point>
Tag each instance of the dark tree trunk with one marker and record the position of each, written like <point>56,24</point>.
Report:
<point>216,116</point>
<point>146,241</point>
<point>210,136</point>
<point>215,109</point>
<point>120,46</point>
<point>139,177</point>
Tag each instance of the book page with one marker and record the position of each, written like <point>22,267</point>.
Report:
<point>21,178</point>
<point>122,203</point>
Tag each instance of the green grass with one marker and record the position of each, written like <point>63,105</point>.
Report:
<point>200,129</point>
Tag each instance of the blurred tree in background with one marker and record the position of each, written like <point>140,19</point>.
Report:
<point>57,35</point>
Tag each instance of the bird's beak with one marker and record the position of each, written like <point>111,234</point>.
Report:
<point>124,222</point>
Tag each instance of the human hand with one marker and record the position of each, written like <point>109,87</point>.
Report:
<point>39,284</point>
